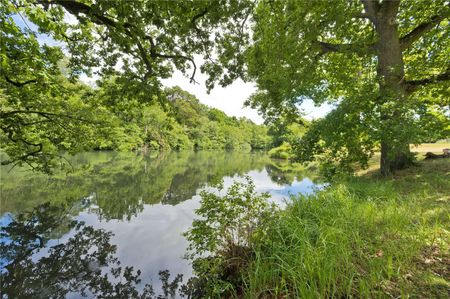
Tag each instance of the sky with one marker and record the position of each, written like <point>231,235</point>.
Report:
<point>229,99</point>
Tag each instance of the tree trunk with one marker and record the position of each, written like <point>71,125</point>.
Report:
<point>390,73</point>
<point>391,161</point>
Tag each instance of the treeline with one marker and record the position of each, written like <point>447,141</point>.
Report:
<point>68,116</point>
<point>178,122</point>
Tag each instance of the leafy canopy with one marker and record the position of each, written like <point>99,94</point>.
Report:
<point>333,52</point>
<point>131,46</point>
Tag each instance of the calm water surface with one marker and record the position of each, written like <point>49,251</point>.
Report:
<point>79,234</point>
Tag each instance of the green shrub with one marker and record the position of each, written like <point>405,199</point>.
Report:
<point>284,151</point>
<point>222,238</point>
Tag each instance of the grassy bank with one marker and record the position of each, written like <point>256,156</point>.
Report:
<point>363,237</point>
<point>418,150</point>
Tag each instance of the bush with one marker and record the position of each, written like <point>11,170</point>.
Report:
<point>222,239</point>
<point>284,151</point>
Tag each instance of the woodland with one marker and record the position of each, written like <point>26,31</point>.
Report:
<point>376,223</point>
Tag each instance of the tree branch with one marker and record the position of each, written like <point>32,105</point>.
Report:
<point>168,56</point>
<point>198,16</point>
<point>371,7</point>
<point>413,85</point>
<point>41,113</point>
<point>205,42</point>
<point>361,50</point>
<point>76,8</point>
<point>145,58</point>
<point>407,40</point>
<point>361,15</point>
<point>10,134</point>
<point>19,84</point>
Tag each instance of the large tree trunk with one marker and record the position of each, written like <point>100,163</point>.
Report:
<point>390,72</point>
<point>391,160</point>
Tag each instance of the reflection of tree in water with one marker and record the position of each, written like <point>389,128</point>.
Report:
<point>84,265</point>
<point>281,176</point>
<point>285,172</point>
<point>183,186</point>
<point>121,186</point>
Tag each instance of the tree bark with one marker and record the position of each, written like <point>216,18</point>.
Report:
<point>390,73</point>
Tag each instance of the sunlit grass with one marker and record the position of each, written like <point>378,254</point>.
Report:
<point>430,147</point>
<point>419,151</point>
<point>364,237</point>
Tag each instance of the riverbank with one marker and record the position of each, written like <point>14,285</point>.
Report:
<point>363,237</point>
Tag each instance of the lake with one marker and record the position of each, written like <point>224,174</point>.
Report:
<point>115,222</point>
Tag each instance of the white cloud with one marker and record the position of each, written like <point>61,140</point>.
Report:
<point>231,99</point>
<point>311,111</point>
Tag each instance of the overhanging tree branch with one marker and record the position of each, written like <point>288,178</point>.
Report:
<point>361,15</point>
<point>144,57</point>
<point>192,79</point>
<point>10,132</point>
<point>204,40</point>
<point>6,114</point>
<point>19,84</point>
<point>76,8</point>
<point>407,40</point>
<point>359,49</point>
<point>198,16</point>
<point>413,85</point>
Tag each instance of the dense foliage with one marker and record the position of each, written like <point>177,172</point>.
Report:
<point>383,63</point>
<point>46,45</point>
<point>179,122</point>
<point>42,122</point>
<point>42,112</point>
<point>286,132</point>
<point>222,239</point>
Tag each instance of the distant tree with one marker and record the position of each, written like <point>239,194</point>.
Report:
<point>289,130</point>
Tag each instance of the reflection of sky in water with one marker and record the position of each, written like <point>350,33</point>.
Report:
<point>279,192</point>
<point>152,240</point>
<point>4,221</point>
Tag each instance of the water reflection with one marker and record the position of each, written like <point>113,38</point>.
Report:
<point>45,254</point>
<point>89,230</point>
<point>121,184</point>
<point>84,264</point>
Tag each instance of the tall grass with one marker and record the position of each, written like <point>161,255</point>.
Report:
<point>363,237</point>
